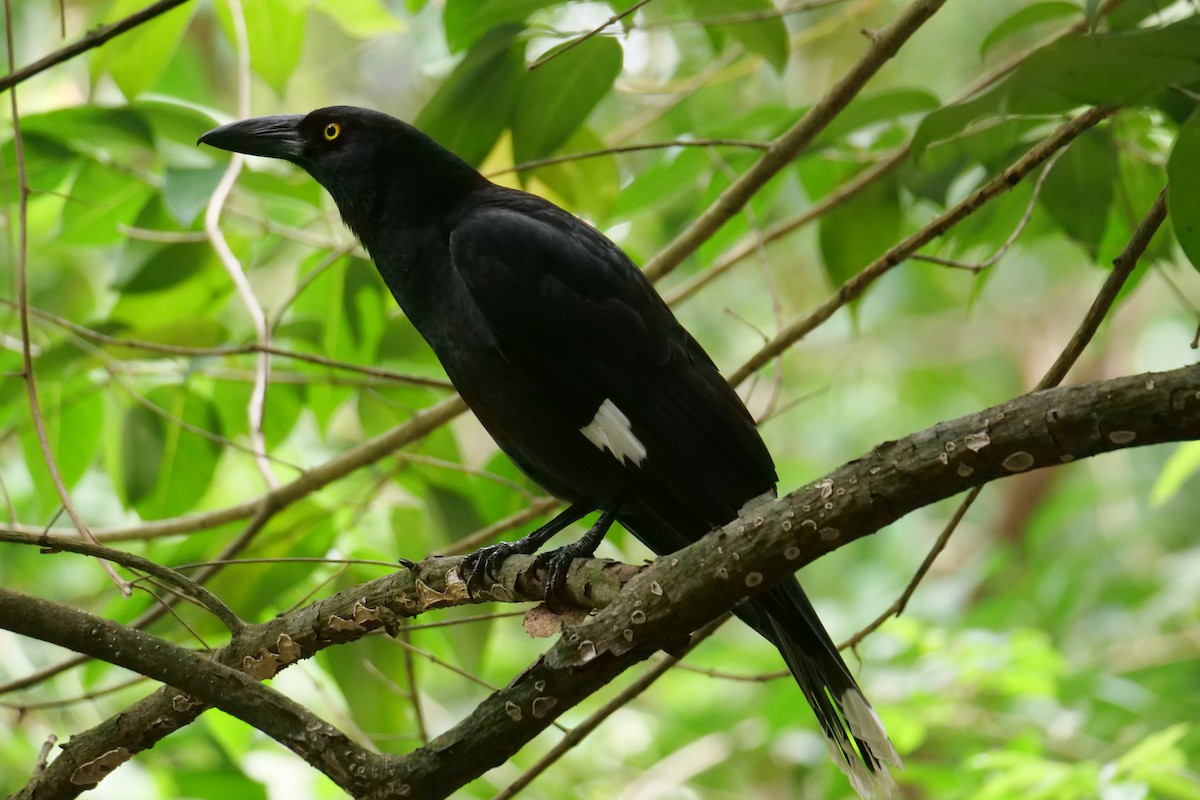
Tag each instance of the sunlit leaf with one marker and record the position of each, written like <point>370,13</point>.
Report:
<point>484,89</point>
<point>468,21</point>
<point>558,96</point>
<point>1120,69</point>
<point>275,31</point>
<point>139,62</point>
<point>361,19</point>
<point>1025,18</point>
<point>1179,469</point>
<point>858,232</point>
<point>752,23</point>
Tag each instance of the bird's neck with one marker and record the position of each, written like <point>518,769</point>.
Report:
<point>412,191</point>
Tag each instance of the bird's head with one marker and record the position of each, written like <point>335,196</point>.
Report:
<point>360,156</point>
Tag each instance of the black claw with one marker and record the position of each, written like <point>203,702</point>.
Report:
<point>481,569</point>
<point>557,564</point>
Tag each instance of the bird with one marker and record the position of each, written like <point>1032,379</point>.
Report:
<point>574,365</point>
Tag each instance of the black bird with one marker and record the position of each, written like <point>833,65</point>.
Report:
<point>574,364</point>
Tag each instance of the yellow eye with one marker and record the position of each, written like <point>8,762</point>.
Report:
<point>332,131</point>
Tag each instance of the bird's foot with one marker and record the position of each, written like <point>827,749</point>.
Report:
<point>557,564</point>
<point>481,569</point>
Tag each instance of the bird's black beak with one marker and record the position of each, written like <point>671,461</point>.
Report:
<point>271,137</point>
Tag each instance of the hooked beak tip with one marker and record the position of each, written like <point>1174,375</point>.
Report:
<point>270,137</point>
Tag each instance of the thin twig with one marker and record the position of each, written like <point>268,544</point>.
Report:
<point>207,599</point>
<point>60,702</point>
<point>414,694</point>
<point>581,731</point>
<point>896,608</point>
<point>369,452</point>
<point>846,191</point>
<point>232,350</point>
<point>613,20</point>
<point>745,16</point>
<point>537,508</point>
<point>212,227</point>
<point>628,148</point>
<point>749,245</point>
<point>991,260</point>
<point>44,754</point>
<point>93,38</point>
<point>790,144</point>
<point>35,406</point>
<point>855,286</point>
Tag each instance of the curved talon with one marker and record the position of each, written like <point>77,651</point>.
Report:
<point>481,569</point>
<point>557,564</point>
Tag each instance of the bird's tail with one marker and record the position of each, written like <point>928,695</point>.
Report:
<point>856,737</point>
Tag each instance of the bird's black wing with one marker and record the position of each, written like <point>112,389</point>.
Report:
<point>581,325</point>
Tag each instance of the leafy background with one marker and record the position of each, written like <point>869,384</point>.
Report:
<point>1054,650</point>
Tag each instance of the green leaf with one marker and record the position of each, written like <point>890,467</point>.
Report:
<point>663,181</point>
<point>169,266</point>
<point>1157,747</point>
<point>1121,69</point>
<point>570,86</point>
<point>141,454</point>
<point>186,191</point>
<point>767,37</point>
<point>367,673</point>
<point>362,19</point>
<point>468,21</point>
<point>275,33</point>
<point>100,201</point>
<point>72,412</point>
<point>1183,174</point>
<point>1078,192</point>
<point>144,52</point>
<point>453,515</point>
<point>888,105</point>
<point>482,89</point>
<point>588,186</point>
<point>282,407</point>
<point>119,134</point>
<point>858,232</point>
<point>1180,467</point>
<point>186,459</point>
<point>48,162</point>
<point>1026,18</point>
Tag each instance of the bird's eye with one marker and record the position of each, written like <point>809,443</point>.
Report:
<point>332,131</point>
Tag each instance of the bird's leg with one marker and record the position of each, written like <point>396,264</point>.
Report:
<point>558,562</point>
<point>481,567</point>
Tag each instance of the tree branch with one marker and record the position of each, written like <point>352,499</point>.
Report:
<point>681,592</point>
<point>1123,266</point>
<point>93,38</point>
<point>855,286</point>
<point>202,596</point>
<point>231,690</point>
<point>784,150</point>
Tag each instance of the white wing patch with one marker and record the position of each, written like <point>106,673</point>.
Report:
<point>610,430</point>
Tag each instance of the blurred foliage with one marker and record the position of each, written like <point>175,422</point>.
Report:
<point>1054,651</point>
